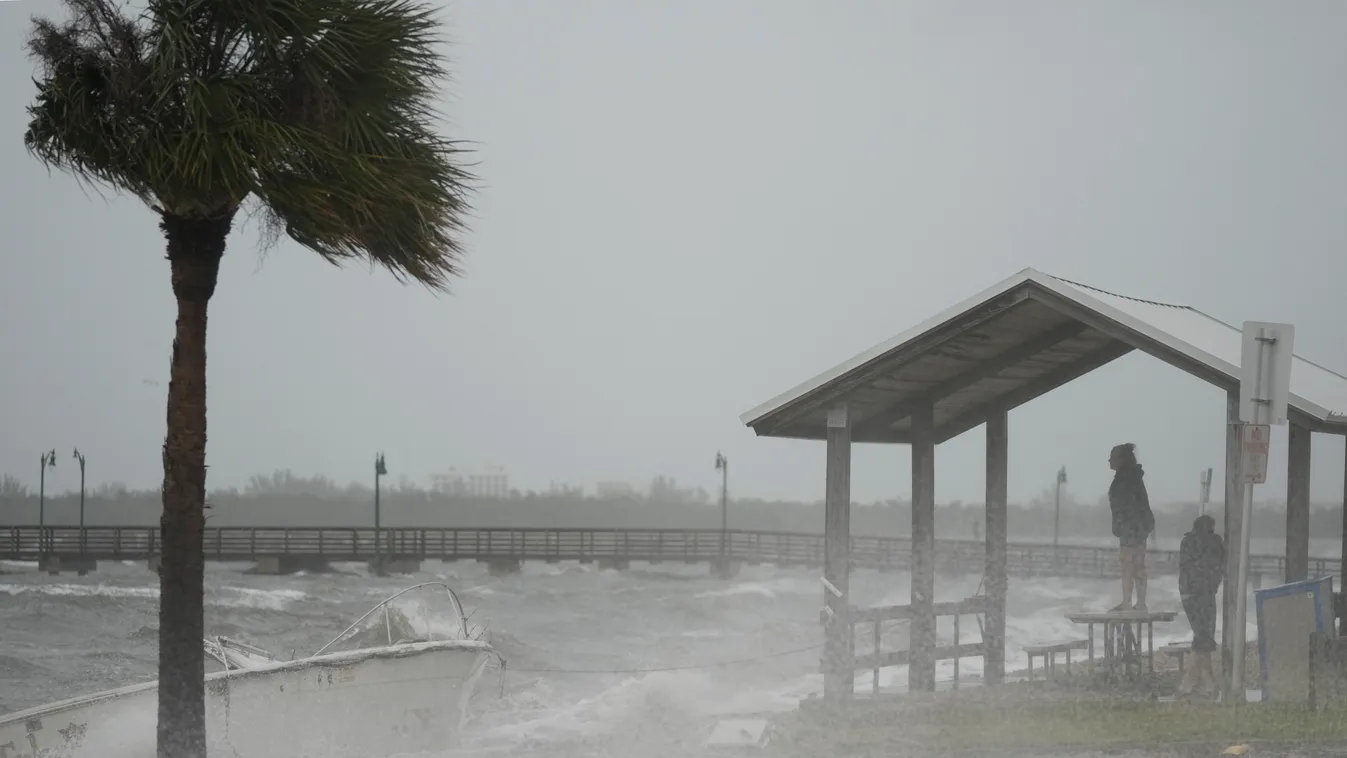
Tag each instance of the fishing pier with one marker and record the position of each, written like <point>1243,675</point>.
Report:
<point>281,550</point>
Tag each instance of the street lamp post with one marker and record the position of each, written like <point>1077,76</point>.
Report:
<point>380,469</point>
<point>723,466</point>
<point>48,461</point>
<point>1204,495</point>
<point>80,457</point>
<point>1057,510</point>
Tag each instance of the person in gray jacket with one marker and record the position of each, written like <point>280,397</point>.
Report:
<point>1133,522</point>
<point>1201,569</point>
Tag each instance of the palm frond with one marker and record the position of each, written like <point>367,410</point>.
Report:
<point>322,111</point>
<point>87,116</point>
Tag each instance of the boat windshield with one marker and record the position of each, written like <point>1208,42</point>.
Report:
<point>421,613</point>
<point>232,654</point>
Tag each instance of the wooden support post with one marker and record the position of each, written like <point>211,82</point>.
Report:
<point>921,638</point>
<point>1234,516</point>
<point>879,642</point>
<point>839,677</point>
<point>998,468</point>
<point>1342,583</point>
<point>956,651</point>
<point>1298,504</point>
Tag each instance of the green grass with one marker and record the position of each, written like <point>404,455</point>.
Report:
<point>1093,724</point>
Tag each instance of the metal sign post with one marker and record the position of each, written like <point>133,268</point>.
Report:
<point>1264,390</point>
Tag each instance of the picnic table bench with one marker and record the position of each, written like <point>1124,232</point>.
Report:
<point>1178,650</point>
<point>1123,637</point>
<point>1048,652</point>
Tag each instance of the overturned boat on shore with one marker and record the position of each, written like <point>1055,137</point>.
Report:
<point>398,680</point>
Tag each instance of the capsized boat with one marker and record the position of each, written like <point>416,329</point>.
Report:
<point>398,680</point>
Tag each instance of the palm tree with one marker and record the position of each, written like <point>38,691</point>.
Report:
<point>317,114</point>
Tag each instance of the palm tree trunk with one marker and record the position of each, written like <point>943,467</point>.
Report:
<point>194,250</point>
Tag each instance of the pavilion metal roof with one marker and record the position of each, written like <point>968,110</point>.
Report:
<point>1015,341</point>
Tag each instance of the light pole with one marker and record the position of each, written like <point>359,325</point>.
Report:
<point>1057,509</point>
<point>379,470</point>
<point>80,457</point>
<point>1206,492</point>
<point>723,466</point>
<point>48,461</point>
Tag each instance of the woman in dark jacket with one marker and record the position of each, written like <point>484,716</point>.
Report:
<point>1133,522</point>
<point>1201,568</point>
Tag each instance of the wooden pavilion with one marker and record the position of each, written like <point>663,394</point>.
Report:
<point>972,365</point>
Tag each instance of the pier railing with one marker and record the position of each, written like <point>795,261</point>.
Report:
<point>338,544</point>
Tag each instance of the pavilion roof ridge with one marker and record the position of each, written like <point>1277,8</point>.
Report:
<point>1199,312</point>
<point>1103,291</point>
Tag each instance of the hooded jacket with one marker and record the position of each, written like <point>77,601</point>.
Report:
<point>1133,520</point>
<point>1201,562</point>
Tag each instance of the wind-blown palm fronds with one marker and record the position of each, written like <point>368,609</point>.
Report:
<point>322,111</point>
<point>318,113</point>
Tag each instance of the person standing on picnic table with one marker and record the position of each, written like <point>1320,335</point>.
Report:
<point>1133,522</point>
<point>1201,568</point>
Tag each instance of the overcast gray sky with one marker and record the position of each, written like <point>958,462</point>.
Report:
<point>689,207</point>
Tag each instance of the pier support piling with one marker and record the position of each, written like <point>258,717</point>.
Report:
<point>55,564</point>
<point>725,568</point>
<point>281,565</point>
<point>503,566</point>
<point>388,564</point>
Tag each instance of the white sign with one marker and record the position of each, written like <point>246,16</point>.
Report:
<point>837,417</point>
<point>1265,372</point>
<point>1253,450</point>
<point>830,586</point>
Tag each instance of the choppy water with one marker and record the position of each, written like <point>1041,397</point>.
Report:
<point>599,661</point>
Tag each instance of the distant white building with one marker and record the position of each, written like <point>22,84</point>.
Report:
<point>562,489</point>
<point>614,490</point>
<point>666,490</point>
<point>450,483</point>
<point>492,483</point>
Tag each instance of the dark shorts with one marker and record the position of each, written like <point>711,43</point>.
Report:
<point>1132,542</point>
<point>1201,613</point>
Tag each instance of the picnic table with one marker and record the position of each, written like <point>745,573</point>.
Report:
<point>1122,635</point>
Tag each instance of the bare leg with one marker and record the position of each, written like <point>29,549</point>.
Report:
<point>1205,678</point>
<point>1190,675</point>
<point>1139,575</point>
<point>1125,563</point>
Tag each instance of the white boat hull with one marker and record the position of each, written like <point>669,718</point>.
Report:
<point>376,702</point>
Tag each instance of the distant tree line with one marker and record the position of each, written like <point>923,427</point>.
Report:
<point>285,499</point>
